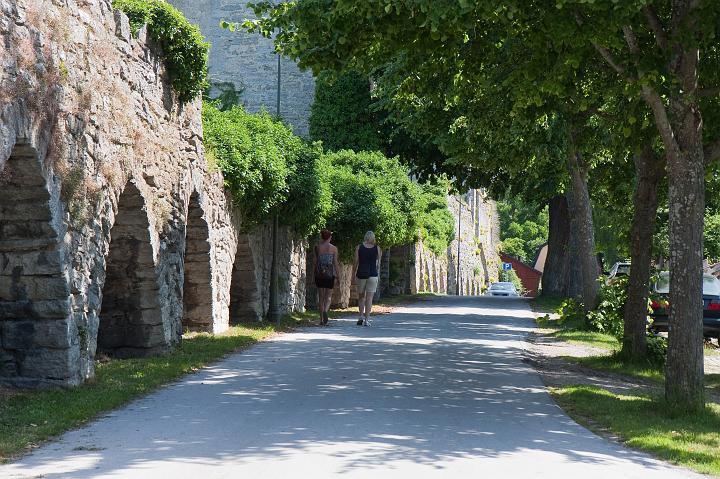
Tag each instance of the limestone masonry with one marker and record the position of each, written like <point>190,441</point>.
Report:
<point>246,64</point>
<point>115,235</point>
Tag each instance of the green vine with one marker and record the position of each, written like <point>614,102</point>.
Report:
<point>184,48</point>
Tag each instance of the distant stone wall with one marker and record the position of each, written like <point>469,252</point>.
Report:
<point>115,235</point>
<point>247,64</point>
<point>478,237</point>
<point>415,269</point>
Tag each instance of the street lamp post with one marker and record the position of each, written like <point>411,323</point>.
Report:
<point>458,245</point>
<point>273,309</point>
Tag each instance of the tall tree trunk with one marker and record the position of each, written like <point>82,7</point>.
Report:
<point>679,124</point>
<point>681,129</point>
<point>581,214</point>
<point>554,278</point>
<point>648,173</point>
<point>686,173</point>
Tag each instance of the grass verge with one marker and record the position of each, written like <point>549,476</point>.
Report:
<point>546,304</point>
<point>28,418</point>
<point>690,440</point>
<point>591,338</point>
<point>614,364</point>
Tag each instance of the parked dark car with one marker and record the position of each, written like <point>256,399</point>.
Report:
<point>711,305</point>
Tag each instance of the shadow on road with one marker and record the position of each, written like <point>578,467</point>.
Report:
<point>429,384</point>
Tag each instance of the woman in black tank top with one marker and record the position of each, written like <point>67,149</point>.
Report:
<point>365,270</point>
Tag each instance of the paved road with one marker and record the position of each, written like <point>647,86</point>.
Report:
<point>436,390</point>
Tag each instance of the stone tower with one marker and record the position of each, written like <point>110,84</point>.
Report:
<point>246,65</point>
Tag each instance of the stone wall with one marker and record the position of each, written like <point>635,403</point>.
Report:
<point>412,268</point>
<point>115,235</point>
<point>246,64</point>
<point>415,269</point>
<point>478,239</point>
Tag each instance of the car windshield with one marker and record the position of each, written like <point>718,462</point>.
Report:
<point>711,285</point>
<point>623,269</point>
<point>502,286</point>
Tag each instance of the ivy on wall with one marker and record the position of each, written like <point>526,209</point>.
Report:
<point>184,48</point>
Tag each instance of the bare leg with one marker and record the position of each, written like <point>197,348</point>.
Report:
<point>321,302</point>
<point>368,304</point>
<point>328,299</point>
<point>361,303</point>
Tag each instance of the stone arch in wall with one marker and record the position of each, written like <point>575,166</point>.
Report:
<point>38,343</point>
<point>197,285</point>
<point>244,295</point>
<point>131,322</point>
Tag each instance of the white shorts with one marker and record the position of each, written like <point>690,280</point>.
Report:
<point>367,285</point>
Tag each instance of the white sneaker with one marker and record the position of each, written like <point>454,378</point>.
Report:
<point>368,322</point>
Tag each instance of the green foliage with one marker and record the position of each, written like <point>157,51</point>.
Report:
<point>512,277</point>
<point>437,224</point>
<point>267,168</point>
<point>523,228</point>
<point>184,48</point>
<point>371,192</point>
<point>226,95</point>
<point>571,313</point>
<point>608,316</point>
<point>656,350</point>
<point>340,116</point>
<point>712,235</point>
<point>309,193</point>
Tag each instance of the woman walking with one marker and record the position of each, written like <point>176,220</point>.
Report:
<point>365,269</point>
<point>325,269</point>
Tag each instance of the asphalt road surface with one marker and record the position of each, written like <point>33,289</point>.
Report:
<point>433,390</point>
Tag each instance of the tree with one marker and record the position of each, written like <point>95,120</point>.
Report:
<point>523,228</point>
<point>340,116</point>
<point>665,53</point>
<point>652,47</point>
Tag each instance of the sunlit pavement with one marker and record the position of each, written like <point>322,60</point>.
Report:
<point>436,390</point>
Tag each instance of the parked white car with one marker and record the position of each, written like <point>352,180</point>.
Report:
<point>618,270</point>
<point>502,289</point>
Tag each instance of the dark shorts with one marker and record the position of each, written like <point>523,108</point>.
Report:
<point>326,283</point>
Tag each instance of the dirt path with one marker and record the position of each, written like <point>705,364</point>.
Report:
<point>546,354</point>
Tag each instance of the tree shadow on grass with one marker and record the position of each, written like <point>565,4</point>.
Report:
<point>647,423</point>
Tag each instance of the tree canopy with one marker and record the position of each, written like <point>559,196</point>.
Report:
<point>497,85</point>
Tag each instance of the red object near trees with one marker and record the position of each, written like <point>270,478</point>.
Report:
<point>529,276</point>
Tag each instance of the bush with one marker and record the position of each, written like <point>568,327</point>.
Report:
<point>184,48</point>
<point>309,195</point>
<point>608,316</point>
<point>656,350</point>
<point>267,168</point>
<point>437,224</point>
<point>572,313</point>
<point>371,192</point>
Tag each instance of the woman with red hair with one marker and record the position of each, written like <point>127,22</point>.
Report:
<point>326,269</point>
